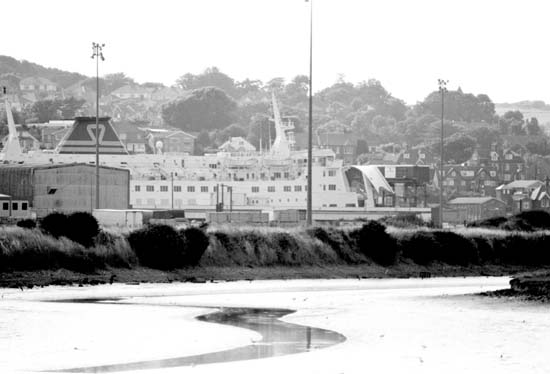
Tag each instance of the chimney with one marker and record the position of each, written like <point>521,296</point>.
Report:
<point>547,183</point>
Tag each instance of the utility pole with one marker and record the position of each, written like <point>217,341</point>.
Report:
<point>442,89</point>
<point>97,54</point>
<point>309,213</point>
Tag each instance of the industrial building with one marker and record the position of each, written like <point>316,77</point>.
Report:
<point>65,187</point>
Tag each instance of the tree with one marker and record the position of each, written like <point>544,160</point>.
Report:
<point>532,127</point>
<point>460,106</point>
<point>46,110</point>
<point>230,131</point>
<point>260,128</point>
<point>115,81</point>
<point>206,108</point>
<point>458,148</point>
<point>210,77</point>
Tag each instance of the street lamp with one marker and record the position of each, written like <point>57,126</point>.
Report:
<point>98,54</point>
<point>442,89</point>
<point>309,213</point>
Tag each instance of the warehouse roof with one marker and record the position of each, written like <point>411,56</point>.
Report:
<point>472,200</point>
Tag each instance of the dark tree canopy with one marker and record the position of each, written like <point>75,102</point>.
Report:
<point>211,77</point>
<point>206,108</point>
<point>459,106</point>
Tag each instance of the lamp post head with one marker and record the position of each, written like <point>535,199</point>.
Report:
<point>442,85</point>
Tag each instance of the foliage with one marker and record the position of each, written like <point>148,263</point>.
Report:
<point>211,77</point>
<point>47,110</point>
<point>54,224</point>
<point>82,228</point>
<point>158,246</point>
<point>27,223</point>
<point>195,243</point>
<point>203,109</point>
<point>377,244</point>
<point>403,220</point>
<point>459,106</point>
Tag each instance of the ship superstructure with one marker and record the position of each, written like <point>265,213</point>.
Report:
<point>273,179</point>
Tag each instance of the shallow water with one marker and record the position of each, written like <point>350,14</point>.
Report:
<point>390,326</point>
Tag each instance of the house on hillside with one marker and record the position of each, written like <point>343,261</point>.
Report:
<point>169,141</point>
<point>343,144</point>
<point>166,94</point>
<point>37,84</point>
<point>467,180</point>
<point>522,195</point>
<point>133,92</point>
<point>417,156</point>
<point>237,144</point>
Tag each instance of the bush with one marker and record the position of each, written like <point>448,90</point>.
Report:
<point>424,247</point>
<point>377,244</point>
<point>196,242</point>
<point>420,247</point>
<point>538,219</point>
<point>82,228</point>
<point>27,223</point>
<point>55,224</point>
<point>158,247</point>
<point>489,222</point>
<point>339,241</point>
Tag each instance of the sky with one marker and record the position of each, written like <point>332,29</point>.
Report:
<point>497,47</point>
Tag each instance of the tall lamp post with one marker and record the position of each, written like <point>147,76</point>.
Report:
<point>442,89</point>
<point>97,54</point>
<point>309,213</point>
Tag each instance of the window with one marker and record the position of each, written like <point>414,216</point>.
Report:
<point>150,188</point>
<point>271,189</point>
<point>287,188</point>
<point>14,206</point>
<point>255,189</point>
<point>204,188</point>
<point>24,206</point>
<point>332,187</point>
<point>286,175</point>
<point>493,173</point>
<point>137,188</point>
<point>332,173</point>
<point>163,188</point>
<point>190,188</point>
<point>177,188</point>
<point>297,188</point>
<point>277,174</point>
<point>5,206</point>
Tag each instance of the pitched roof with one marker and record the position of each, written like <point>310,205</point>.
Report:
<point>523,184</point>
<point>472,200</point>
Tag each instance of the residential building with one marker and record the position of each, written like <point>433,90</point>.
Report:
<point>417,156</point>
<point>459,180</point>
<point>169,141</point>
<point>37,84</point>
<point>133,92</point>
<point>524,195</point>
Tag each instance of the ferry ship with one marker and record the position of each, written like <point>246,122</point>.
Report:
<point>265,180</point>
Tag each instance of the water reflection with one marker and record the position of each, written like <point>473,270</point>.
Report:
<point>278,338</point>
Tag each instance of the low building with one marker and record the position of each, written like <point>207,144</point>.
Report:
<point>65,187</point>
<point>459,180</point>
<point>169,141</point>
<point>131,136</point>
<point>133,92</point>
<point>525,195</point>
<point>469,209</point>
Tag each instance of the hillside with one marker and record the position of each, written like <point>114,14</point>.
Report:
<point>12,69</point>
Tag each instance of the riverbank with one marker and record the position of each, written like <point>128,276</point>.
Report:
<point>533,286</point>
<point>204,274</point>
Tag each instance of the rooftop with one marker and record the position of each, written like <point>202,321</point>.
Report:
<point>471,200</point>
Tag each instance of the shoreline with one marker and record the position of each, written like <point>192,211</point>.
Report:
<point>203,274</point>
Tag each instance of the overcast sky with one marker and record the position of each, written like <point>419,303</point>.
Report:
<point>483,46</point>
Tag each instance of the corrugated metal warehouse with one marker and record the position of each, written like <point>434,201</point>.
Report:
<point>65,187</point>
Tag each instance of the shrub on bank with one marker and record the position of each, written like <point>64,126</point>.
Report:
<point>26,223</point>
<point>195,243</point>
<point>21,250</point>
<point>375,243</point>
<point>82,228</point>
<point>342,242</point>
<point>158,246</point>
<point>55,224</point>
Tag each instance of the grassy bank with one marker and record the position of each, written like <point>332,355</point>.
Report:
<point>34,256</point>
